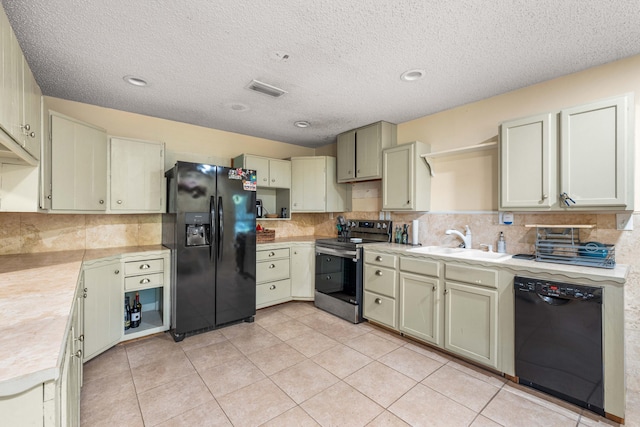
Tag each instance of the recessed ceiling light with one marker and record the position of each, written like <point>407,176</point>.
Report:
<point>412,75</point>
<point>136,81</point>
<point>302,124</point>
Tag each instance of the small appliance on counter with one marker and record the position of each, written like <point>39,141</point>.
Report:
<point>258,208</point>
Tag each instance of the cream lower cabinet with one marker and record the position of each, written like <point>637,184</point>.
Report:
<point>273,283</point>
<point>303,262</point>
<point>381,288</point>
<point>471,313</point>
<point>103,307</point>
<point>421,299</point>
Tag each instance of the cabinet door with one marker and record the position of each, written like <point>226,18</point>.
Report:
<point>420,307</point>
<point>398,178</point>
<point>279,173</point>
<point>136,175</point>
<point>308,190</point>
<point>302,271</point>
<point>103,308</point>
<point>528,162</point>
<point>346,156</point>
<point>78,166</point>
<point>594,153</point>
<point>11,111</point>
<point>368,152</point>
<point>31,120</point>
<point>471,322</point>
<point>261,166</point>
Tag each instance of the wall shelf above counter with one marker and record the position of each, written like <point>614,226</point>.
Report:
<point>490,144</point>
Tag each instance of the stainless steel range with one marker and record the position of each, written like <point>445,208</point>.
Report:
<point>339,266</point>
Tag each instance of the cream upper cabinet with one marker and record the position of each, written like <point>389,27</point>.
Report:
<point>596,154</point>
<point>78,165</point>
<point>136,175</point>
<point>359,152</point>
<point>528,159</point>
<point>314,187</point>
<point>586,164</point>
<point>303,264</point>
<point>20,118</point>
<point>103,307</point>
<point>406,181</point>
<point>270,172</point>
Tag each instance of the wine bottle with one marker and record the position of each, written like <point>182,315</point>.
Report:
<point>127,314</point>
<point>139,305</point>
<point>135,315</point>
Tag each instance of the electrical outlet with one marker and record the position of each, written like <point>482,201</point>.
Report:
<point>624,221</point>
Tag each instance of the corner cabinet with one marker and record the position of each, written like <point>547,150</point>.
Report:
<point>274,182</point>
<point>78,169</point>
<point>314,187</point>
<point>136,176</point>
<point>359,151</point>
<point>585,165</point>
<point>406,181</point>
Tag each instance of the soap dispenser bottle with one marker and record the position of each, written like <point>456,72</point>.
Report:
<point>502,245</point>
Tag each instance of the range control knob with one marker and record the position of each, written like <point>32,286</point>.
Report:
<point>384,225</point>
<point>378,225</point>
<point>579,294</point>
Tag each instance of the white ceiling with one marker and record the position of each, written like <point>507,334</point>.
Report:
<point>345,57</point>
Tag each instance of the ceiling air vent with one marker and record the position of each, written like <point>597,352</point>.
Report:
<point>266,89</point>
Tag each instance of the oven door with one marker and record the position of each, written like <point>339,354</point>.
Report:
<point>339,274</point>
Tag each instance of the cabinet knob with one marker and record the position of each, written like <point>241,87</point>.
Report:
<point>26,127</point>
<point>378,258</point>
<point>80,338</point>
<point>434,289</point>
<point>295,253</point>
<point>32,134</point>
<point>348,172</point>
<point>446,291</point>
<point>84,295</point>
<point>358,171</point>
<point>264,179</point>
<point>145,267</point>
<point>116,272</point>
<point>378,273</point>
<point>378,301</point>
<point>119,202</point>
<point>272,287</point>
<point>272,254</point>
<point>545,196</point>
<point>101,202</point>
<point>144,281</point>
<point>49,197</point>
<point>85,289</point>
<point>408,202</point>
<point>479,282</point>
<point>272,266</point>
<point>328,278</point>
<point>273,180</point>
<point>78,354</point>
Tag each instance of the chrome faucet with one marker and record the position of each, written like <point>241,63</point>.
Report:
<point>466,237</point>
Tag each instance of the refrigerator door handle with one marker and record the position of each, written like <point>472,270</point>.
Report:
<point>220,227</point>
<point>212,228</point>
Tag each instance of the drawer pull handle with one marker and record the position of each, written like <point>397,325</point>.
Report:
<point>116,272</point>
<point>145,267</point>
<point>272,266</point>
<point>145,281</point>
<point>378,258</point>
<point>272,254</point>
<point>378,273</point>
<point>378,301</point>
<point>272,287</point>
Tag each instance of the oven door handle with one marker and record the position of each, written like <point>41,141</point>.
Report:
<point>354,255</point>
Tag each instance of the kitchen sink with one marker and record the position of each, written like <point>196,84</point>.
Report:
<point>480,255</point>
<point>436,250</point>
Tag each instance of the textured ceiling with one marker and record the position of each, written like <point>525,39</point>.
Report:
<point>340,61</point>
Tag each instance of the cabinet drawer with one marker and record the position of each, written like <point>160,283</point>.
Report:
<point>272,254</point>
<point>143,267</point>
<point>380,259</point>
<point>473,275</point>
<point>380,280</point>
<point>268,271</point>
<point>420,266</point>
<point>272,292</point>
<point>145,281</point>
<point>380,309</point>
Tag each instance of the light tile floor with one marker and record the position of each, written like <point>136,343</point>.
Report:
<point>299,366</point>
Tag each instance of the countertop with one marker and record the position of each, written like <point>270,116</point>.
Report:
<point>296,239</point>
<point>36,297</point>
<point>614,276</point>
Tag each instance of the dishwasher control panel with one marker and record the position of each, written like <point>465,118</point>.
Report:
<point>558,289</point>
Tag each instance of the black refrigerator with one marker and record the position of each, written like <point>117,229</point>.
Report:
<point>210,228</point>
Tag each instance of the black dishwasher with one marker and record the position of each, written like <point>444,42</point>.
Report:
<point>558,340</point>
